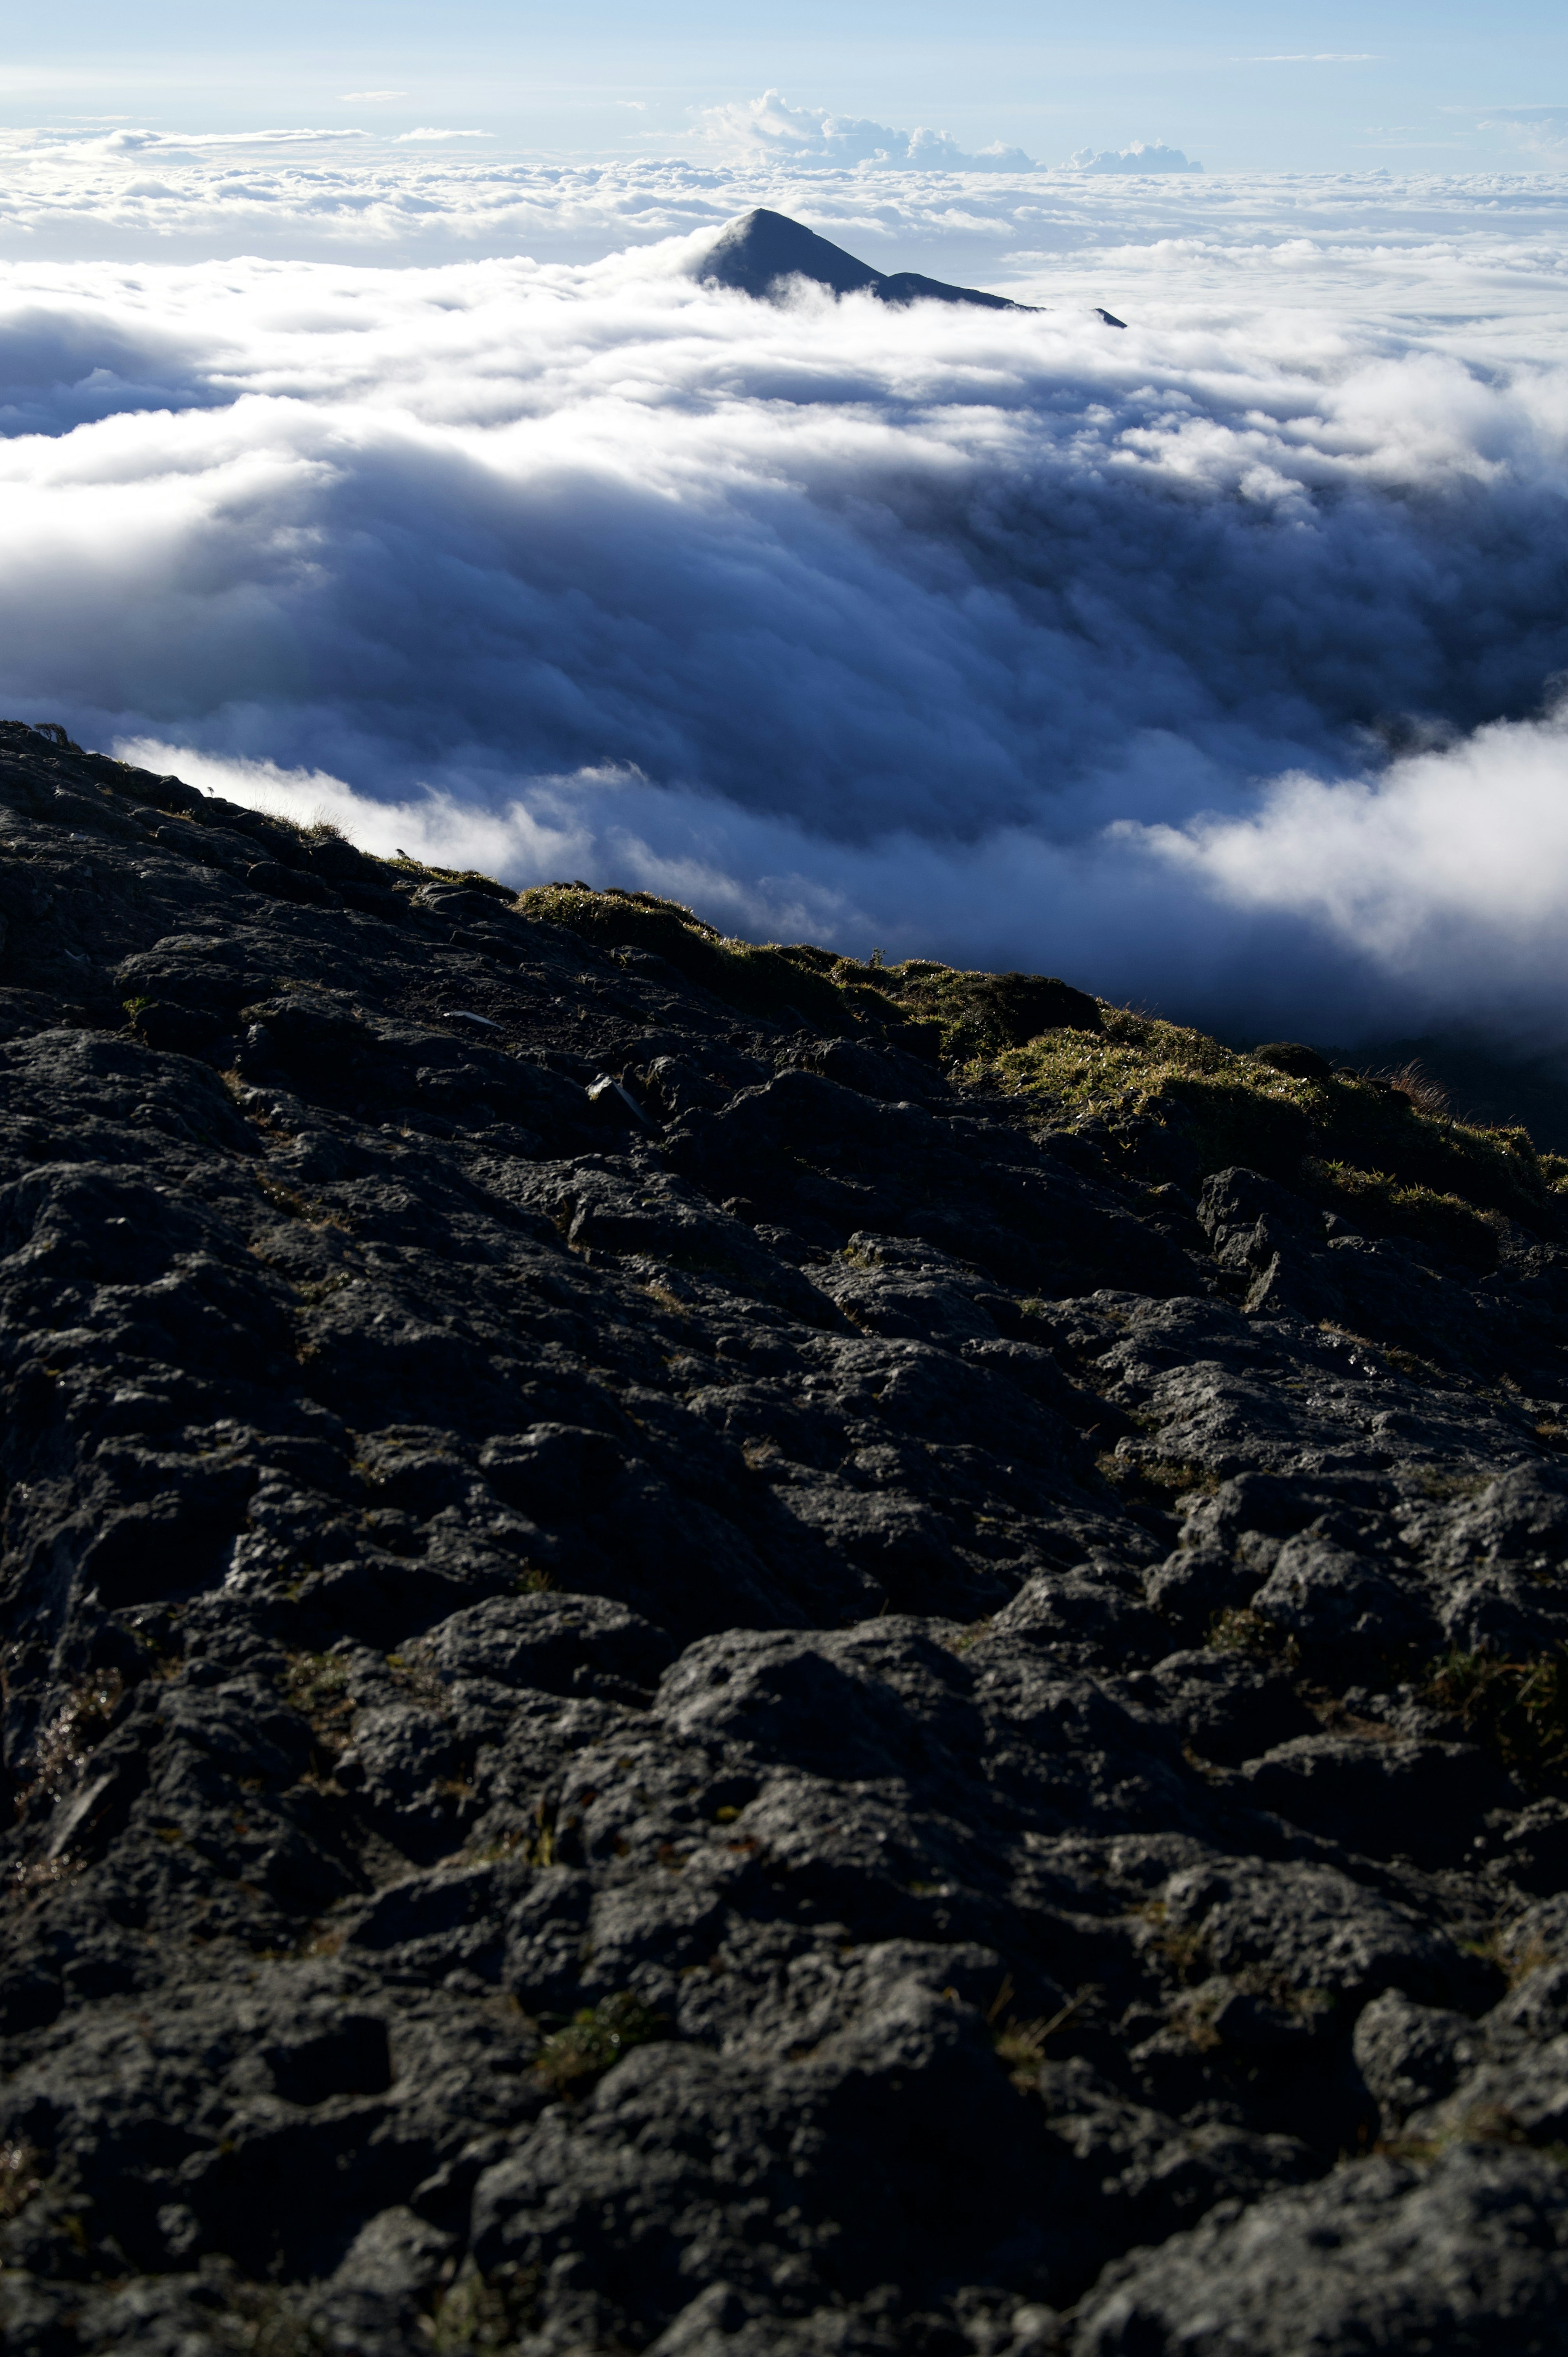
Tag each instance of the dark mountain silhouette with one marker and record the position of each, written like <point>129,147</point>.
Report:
<point>762,248</point>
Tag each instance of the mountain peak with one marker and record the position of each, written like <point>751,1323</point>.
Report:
<point>755,253</point>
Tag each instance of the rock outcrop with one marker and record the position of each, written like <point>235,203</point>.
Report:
<point>677,1678</point>
<point>763,252</point>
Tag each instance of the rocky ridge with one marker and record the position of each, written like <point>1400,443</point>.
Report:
<point>683,1673</point>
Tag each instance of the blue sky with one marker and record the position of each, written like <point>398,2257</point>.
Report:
<point>1437,86</point>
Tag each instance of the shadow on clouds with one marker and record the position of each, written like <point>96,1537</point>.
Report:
<point>1208,663</point>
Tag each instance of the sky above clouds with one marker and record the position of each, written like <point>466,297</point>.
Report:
<point>1442,85</point>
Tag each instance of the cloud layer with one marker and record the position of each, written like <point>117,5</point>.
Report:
<point>1208,662</point>
<point>1480,245</point>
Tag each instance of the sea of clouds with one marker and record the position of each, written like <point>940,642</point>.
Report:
<point>1216,662</point>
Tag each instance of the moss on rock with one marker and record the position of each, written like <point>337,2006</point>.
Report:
<point>1375,1147</point>
<point>758,979</point>
<point>1350,1141</point>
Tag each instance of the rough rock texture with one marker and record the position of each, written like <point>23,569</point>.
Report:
<point>671,1687</point>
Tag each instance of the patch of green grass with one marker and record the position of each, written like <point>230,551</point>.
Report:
<point>262,2321</point>
<point>86,1718</point>
<point>763,979</point>
<point>930,1006</point>
<point>478,2313</point>
<point>1181,1947</point>
<point>1198,2013</point>
<point>1130,1062</point>
<point>1378,1148</point>
<point>1020,2046</point>
<point>1375,1202</point>
<point>1243,1631</point>
<point>316,1686</point>
<point>1446,1486</point>
<point>22,2171</point>
<point>1158,1480</point>
<point>987,1014</point>
<point>596,2040</point>
<point>1355,1143</point>
<point>471,877</point>
<point>413,1671</point>
<point>1517,1709</point>
<point>1514,1959</point>
<point>1484,2124</point>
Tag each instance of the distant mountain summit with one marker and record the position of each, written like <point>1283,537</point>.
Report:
<point>762,249</point>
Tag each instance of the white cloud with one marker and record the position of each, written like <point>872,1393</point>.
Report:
<point>987,635</point>
<point>768,126</point>
<point>1446,875</point>
<point>371,97</point>
<point>432,825</point>
<point>1538,130</point>
<point>1317,58</point>
<point>141,142</point>
<point>428,131</point>
<point>1141,156</point>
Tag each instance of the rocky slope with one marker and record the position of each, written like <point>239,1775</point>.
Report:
<point>713,1652</point>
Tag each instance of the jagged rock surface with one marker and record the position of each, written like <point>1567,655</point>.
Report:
<point>592,1761</point>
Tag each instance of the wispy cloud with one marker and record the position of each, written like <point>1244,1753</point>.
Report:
<point>143,141</point>
<point>371,97</point>
<point>1538,130</point>
<point>1317,58</point>
<point>428,131</point>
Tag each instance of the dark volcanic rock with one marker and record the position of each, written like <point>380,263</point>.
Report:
<point>757,1709</point>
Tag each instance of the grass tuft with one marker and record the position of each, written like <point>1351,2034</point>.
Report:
<point>316,1686</point>
<point>1414,1083</point>
<point>86,1718</point>
<point>985,1013</point>
<point>1382,1150</point>
<point>1020,2046</point>
<point>766,980</point>
<point>1242,1630</point>
<point>596,2040</point>
<point>22,2174</point>
<point>1155,1480</point>
<point>1517,1709</point>
<point>478,2313</point>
